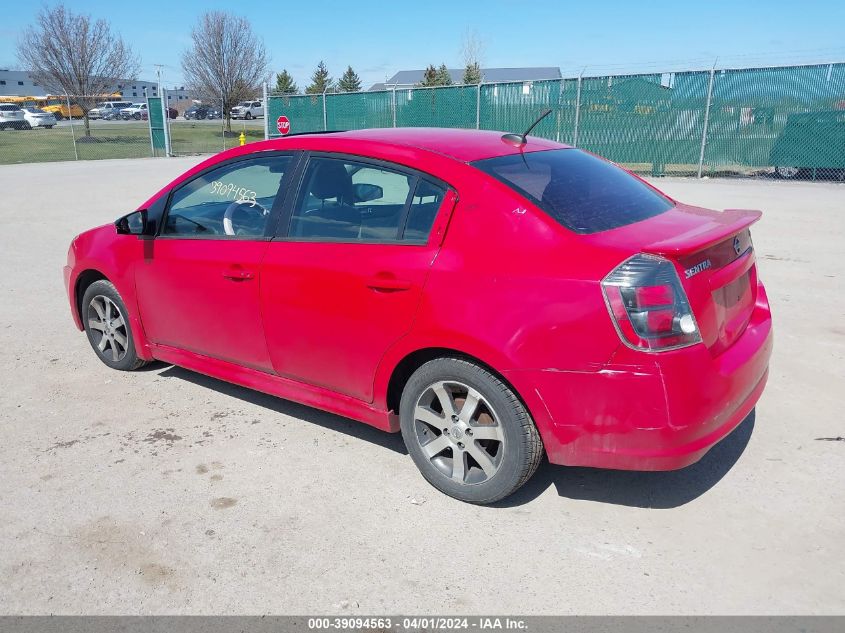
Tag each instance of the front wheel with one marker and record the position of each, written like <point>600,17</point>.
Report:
<point>247,116</point>
<point>467,431</point>
<point>106,322</point>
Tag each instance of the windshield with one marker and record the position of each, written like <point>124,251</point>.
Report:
<point>35,110</point>
<point>580,191</point>
<point>245,104</point>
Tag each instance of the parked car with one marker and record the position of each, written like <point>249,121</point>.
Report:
<point>196,112</point>
<point>490,299</point>
<point>172,113</point>
<point>213,113</point>
<point>11,116</point>
<point>135,111</point>
<point>36,117</point>
<point>108,109</point>
<point>247,110</point>
<point>811,143</point>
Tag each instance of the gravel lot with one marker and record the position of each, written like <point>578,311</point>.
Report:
<point>164,491</point>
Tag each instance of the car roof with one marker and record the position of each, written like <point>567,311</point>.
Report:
<point>460,144</point>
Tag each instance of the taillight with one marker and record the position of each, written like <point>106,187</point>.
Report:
<point>648,305</point>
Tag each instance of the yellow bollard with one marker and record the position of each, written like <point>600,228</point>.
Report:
<point>243,138</point>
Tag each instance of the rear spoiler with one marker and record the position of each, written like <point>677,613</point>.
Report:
<point>729,222</point>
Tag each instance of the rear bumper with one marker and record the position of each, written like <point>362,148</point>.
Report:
<point>650,411</point>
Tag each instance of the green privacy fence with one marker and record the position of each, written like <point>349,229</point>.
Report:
<point>696,122</point>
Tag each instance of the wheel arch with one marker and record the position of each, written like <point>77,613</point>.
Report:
<point>412,361</point>
<point>83,280</point>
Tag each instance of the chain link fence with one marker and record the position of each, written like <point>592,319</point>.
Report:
<point>788,120</point>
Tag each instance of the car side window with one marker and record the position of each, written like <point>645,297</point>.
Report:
<point>232,201</point>
<point>424,206</point>
<point>350,201</point>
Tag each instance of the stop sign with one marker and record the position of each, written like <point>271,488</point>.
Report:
<point>283,125</point>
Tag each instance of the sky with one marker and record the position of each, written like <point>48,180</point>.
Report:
<point>380,38</point>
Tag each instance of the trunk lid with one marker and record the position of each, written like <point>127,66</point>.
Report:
<point>714,258</point>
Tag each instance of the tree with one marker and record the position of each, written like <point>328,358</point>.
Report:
<point>429,77</point>
<point>73,54</point>
<point>472,50</point>
<point>443,76</point>
<point>226,59</point>
<point>285,85</point>
<point>472,74</point>
<point>320,80</point>
<point>350,81</point>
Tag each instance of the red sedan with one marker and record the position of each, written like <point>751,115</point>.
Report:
<point>491,298</point>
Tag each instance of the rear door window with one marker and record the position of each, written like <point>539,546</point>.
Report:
<point>352,201</point>
<point>584,193</point>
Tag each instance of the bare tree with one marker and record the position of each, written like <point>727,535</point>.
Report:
<point>472,52</point>
<point>74,54</point>
<point>226,60</point>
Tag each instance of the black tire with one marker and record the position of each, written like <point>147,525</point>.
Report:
<point>101,292</point>
<point>247,116</point>
<point>517,454</point>
<point>137,116</point>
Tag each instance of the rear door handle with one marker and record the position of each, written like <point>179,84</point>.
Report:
<point>238,274</point>
<point>388,284</point>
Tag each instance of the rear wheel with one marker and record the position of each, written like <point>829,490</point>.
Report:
<point>106,322</point>
<point>467,432</point>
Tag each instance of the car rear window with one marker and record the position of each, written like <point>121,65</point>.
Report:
<point>8,107</point>
<point>580,191</point>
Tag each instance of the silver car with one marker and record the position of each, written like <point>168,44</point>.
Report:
<point>36,117</point>
<point>11,116</point>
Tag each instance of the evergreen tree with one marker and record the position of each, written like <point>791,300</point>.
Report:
<point>472,74</point>
<point>285,85</point>
<point>350,81</point>
<point>443,76</point>
<point>320,80</point>
<point>429,77</point>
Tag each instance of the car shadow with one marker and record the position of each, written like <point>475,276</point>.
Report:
<point>660,490</point>
<point>392,441</point>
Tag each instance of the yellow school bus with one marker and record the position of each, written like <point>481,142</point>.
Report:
<point>55,104</point>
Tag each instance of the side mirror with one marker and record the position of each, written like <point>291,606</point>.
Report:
<point>363,192</point>
<point>132,223</point>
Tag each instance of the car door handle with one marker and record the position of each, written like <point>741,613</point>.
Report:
<point>388,284</point>
<point>238,274</point>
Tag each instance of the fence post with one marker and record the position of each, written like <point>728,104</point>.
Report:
<point>266,115</point>
<point>478,108</point>
<point>165,110</point>
<point>325,113</point>
<point>223,119</point>
<point>72,132</point>
<point>577,111</point>
<point>706,120</point>
<point>393,105</point>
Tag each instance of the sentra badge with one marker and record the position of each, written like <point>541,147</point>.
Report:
<point>691,272</point>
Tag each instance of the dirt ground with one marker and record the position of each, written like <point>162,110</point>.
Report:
<point>163,491</point>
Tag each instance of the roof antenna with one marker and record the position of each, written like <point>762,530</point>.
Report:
<point>522,139</point>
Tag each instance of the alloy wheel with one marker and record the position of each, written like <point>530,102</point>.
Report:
<point>459,432</point>
<point>108,328</point>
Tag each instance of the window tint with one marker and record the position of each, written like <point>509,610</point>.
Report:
<point>584,193</point>
<point>352,201</point>
<point>424,206</point>
<point>232,201</point>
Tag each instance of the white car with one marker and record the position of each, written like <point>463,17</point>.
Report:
<point>11,116</point>
<point>108,109</point>
<point>248,110</point>
<point>36,117</point>
<point>135,111</point>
